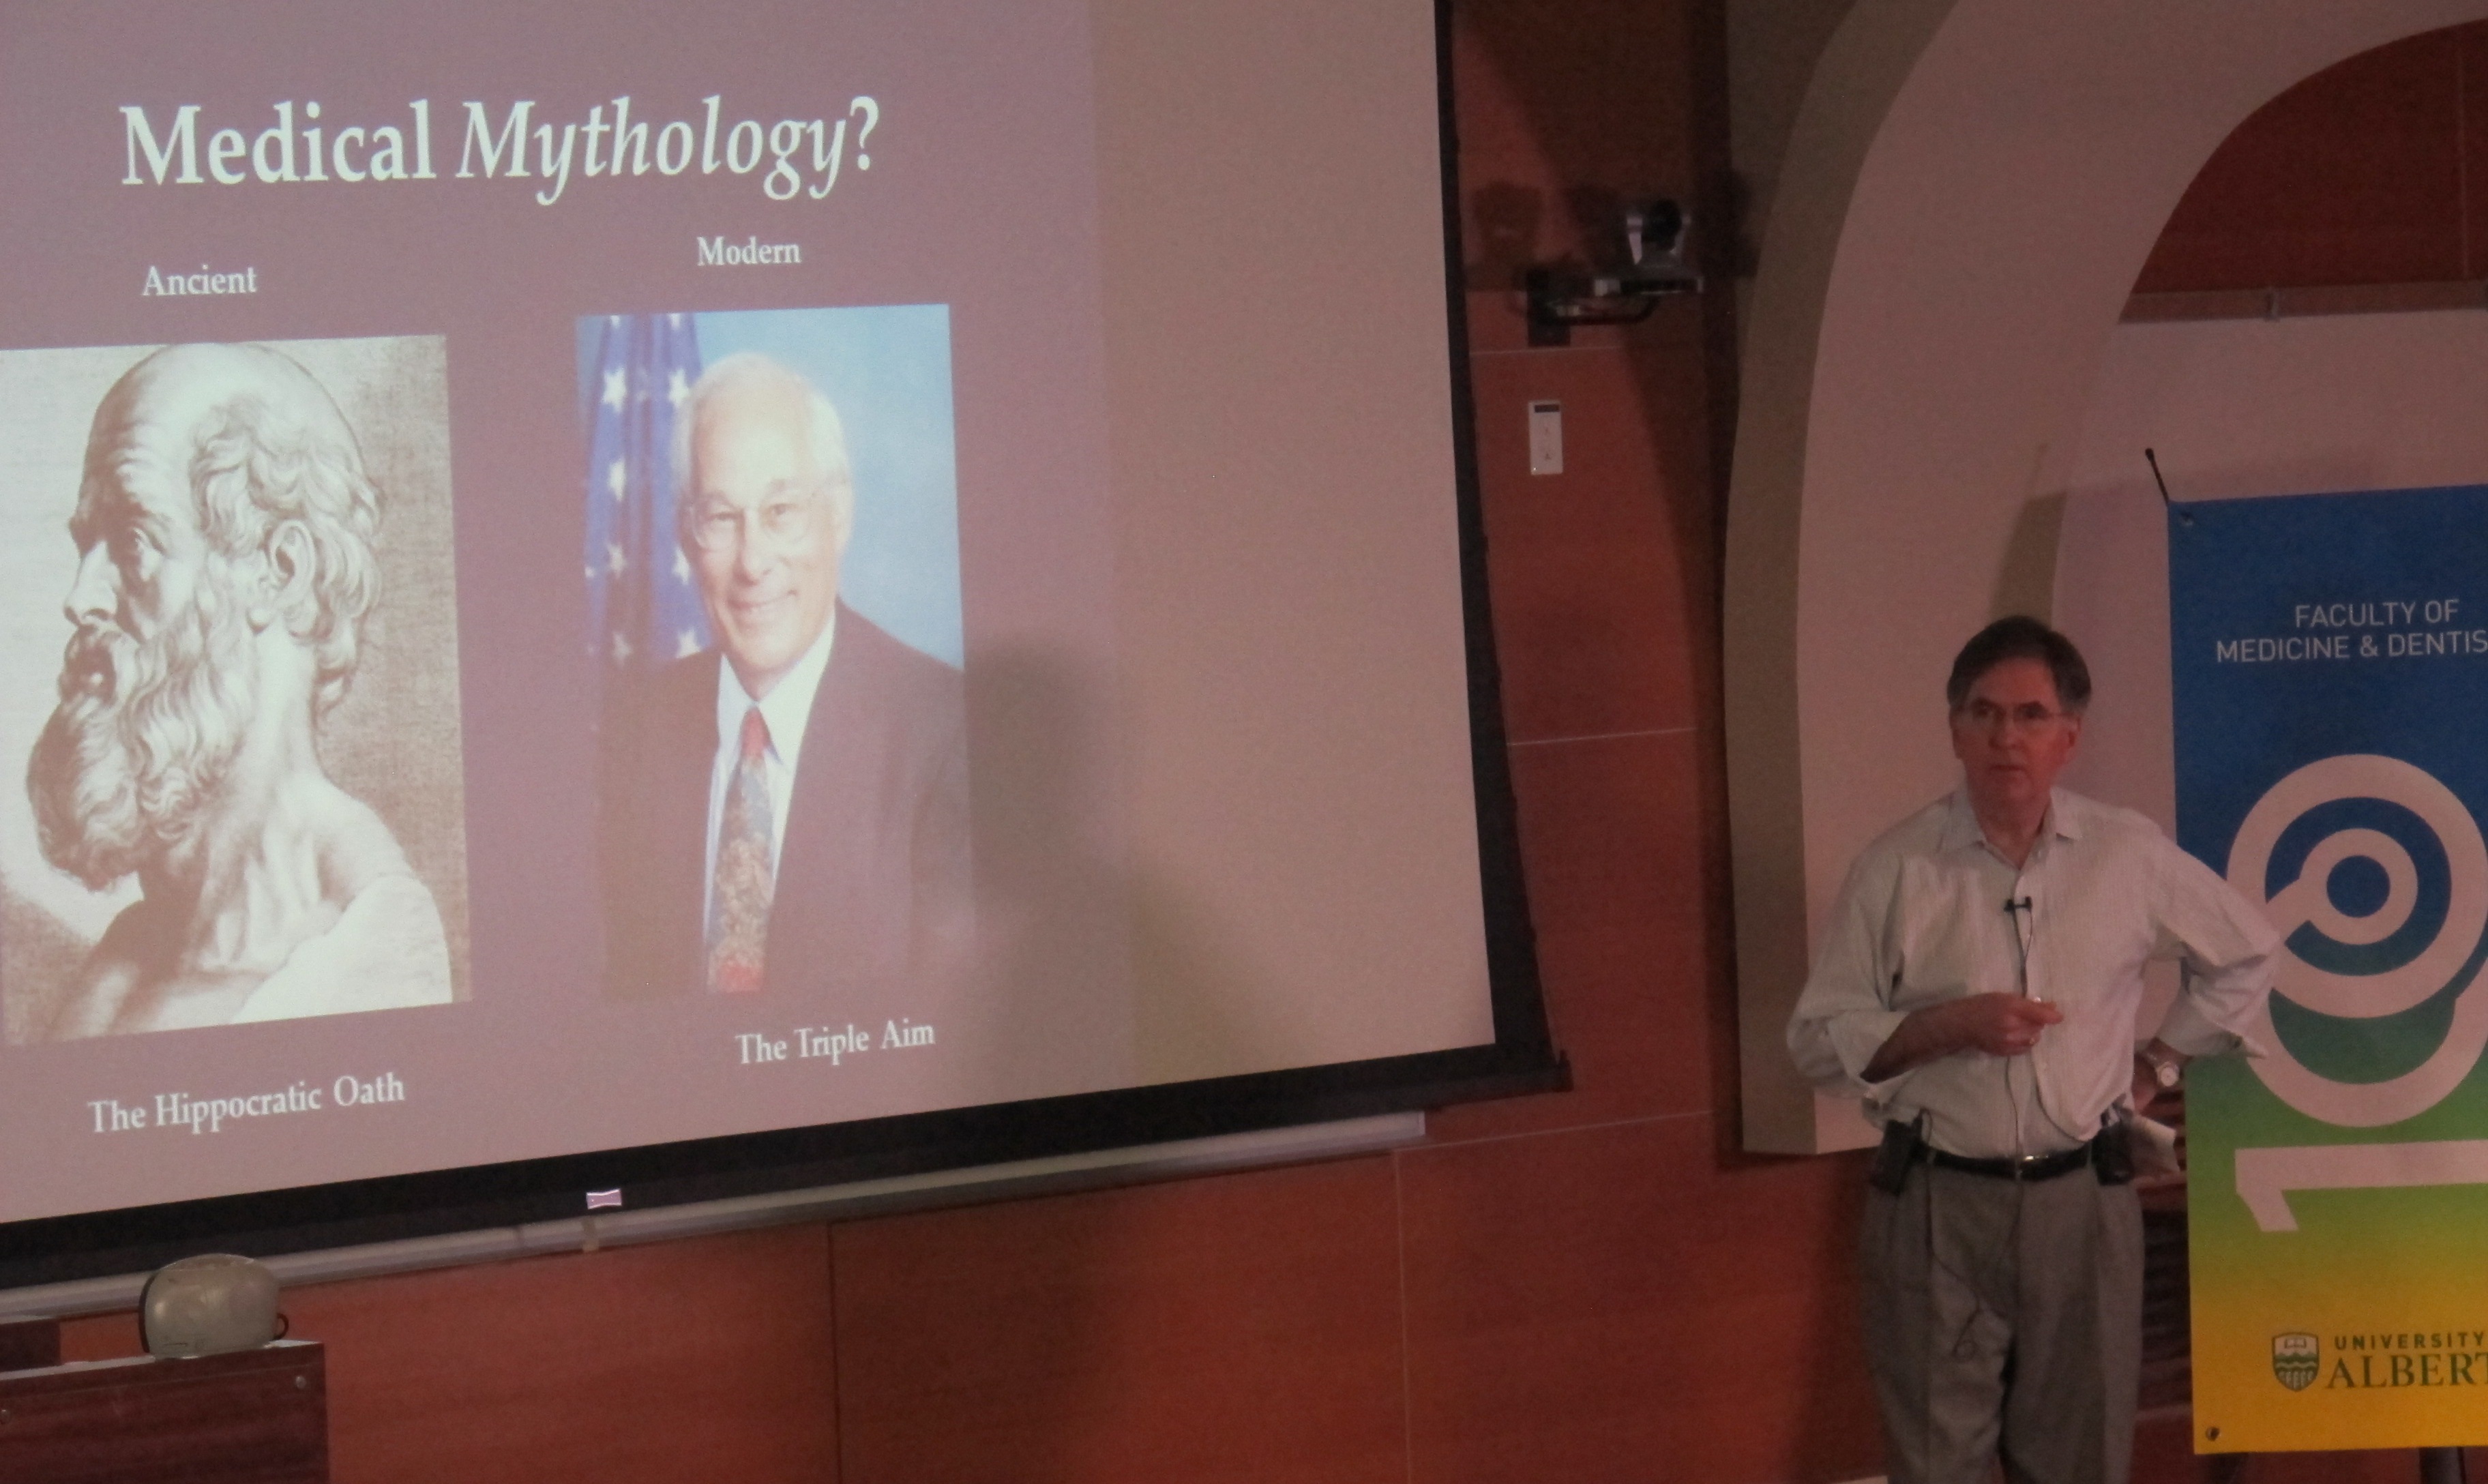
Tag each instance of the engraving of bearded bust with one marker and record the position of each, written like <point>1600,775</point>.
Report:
<point>225,534</point>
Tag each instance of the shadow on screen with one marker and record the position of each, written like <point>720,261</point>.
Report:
<point>1049,895</point>
<point>1092,964</point>
<point>1087,958</point>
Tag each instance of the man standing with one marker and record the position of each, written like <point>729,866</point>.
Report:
<point>225,535</point>
<point>1978,985</point>
<point>788,810</point>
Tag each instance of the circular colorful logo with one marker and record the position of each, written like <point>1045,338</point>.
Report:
<point>2376,876</point>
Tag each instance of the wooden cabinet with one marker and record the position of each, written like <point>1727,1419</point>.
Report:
<point>253,1417</point>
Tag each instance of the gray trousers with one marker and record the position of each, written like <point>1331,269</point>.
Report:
<point>2004,1321</point>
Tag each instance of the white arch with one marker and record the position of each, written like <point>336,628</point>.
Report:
<point>1970,189</point>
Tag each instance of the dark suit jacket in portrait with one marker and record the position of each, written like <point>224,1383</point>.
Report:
<point>871,898</point>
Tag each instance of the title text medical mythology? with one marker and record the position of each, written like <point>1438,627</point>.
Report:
<point>795,159</point>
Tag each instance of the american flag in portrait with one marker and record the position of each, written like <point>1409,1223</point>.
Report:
<point>643,608</point>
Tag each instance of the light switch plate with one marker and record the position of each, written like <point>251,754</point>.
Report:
<point>1546,437</point>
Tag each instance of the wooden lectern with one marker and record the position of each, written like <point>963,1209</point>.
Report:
<point>251,1417</point>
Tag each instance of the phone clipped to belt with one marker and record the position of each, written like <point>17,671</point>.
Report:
<point>1902,1147</point>
<point>2112,1153</point>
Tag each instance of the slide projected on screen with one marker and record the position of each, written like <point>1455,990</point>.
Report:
<point>581,577</point>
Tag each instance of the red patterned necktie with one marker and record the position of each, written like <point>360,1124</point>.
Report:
<point>738,908</point>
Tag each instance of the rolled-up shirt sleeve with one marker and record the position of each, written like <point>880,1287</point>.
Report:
<point>2228,950</point>
<point>1843,1014</point>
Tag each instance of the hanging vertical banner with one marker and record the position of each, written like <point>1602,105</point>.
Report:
<point>2331,665</point>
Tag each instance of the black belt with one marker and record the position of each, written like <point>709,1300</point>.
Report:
<point>2026,1167</point>
<point>2110,1154</point>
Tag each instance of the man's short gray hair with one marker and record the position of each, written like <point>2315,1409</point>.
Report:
<point>2021,636</point>
<point>824,433</point>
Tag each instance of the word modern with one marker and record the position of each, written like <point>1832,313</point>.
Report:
<point>717,252</point>
<point>803,156</point>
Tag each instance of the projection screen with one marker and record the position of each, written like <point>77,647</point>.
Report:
<point>690,598</point>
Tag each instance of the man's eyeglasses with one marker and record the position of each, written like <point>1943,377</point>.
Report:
<point>783,520</point>
<point>1988,717</point>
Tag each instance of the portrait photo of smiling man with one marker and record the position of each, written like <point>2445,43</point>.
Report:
<point>784,806</point>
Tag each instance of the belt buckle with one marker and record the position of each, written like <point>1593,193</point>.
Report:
<point>2025,1165</point>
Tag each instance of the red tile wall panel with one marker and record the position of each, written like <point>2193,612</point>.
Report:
<point>1593,611</point>
<point>1614,841</point>
<point>2357,175</point>
<point>2471,57</point>
<point>1613,1303</point>
<point>627,1365</point>
<point>1244,1327</point>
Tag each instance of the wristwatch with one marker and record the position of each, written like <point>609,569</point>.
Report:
<point>2164,1071</point>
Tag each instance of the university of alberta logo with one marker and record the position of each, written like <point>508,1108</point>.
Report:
<point>2295,1359</point>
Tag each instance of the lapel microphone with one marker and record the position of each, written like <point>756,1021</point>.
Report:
<point>2014,907</point>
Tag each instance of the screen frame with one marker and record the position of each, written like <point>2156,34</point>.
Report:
<point>1522,1058</point>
